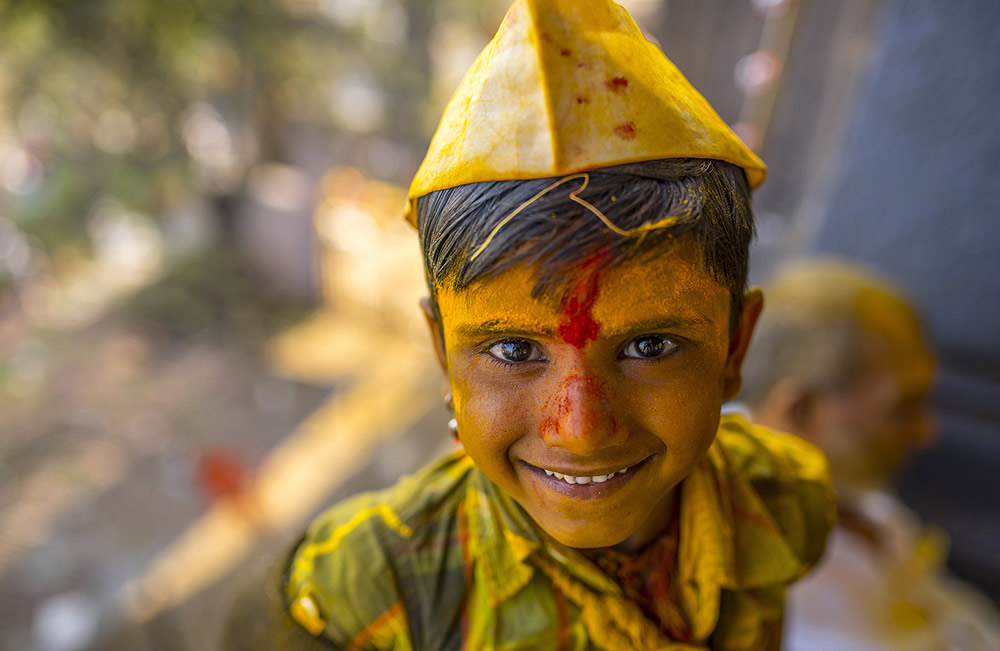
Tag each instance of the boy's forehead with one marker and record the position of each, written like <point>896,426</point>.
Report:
<point>675,284</point>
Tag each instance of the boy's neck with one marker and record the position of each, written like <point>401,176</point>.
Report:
<point>660,517</point>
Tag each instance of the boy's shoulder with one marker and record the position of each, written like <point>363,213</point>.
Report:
<point>360,559</point>
<point>789,476</point>
<point>763,454</point>
<point>408,506</point>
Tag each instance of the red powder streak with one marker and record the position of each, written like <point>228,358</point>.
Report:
<point>559,405</point>
<point>579,327</point>
<point>576,392</point>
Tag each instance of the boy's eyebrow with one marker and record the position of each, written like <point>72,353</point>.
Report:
<point>505,327</point>
<point>502,327</point>
<point>656,324</point>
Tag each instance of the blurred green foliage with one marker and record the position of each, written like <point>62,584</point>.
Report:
<point>189,301</point>
<point>162,109</point>
<point>100,92</point>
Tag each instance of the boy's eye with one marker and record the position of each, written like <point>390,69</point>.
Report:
<point>515,350</point>
<point>648,347</point>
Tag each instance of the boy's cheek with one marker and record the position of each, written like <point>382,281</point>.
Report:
<point>491,408</point>
<point>676,413</point>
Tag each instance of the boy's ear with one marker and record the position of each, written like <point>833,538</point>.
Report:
<point>436,333</point>
<point>753,303</point>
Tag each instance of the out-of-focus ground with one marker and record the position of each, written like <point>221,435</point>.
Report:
<point>146,467</point>
<point>208,300</point>
<point>129,444</point>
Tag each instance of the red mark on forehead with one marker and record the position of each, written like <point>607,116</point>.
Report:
<point>579,327</point>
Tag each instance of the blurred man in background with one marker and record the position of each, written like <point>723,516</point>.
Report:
<point>840,359</point>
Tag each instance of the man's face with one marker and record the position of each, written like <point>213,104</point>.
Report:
<point>878,422</point>
<point>617,388</point>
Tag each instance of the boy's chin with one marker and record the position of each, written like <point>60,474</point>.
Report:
<point>590,537</point>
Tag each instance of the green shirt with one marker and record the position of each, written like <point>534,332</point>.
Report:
<point>445,560</point>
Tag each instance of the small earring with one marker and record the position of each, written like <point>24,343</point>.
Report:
<point>449,404</point>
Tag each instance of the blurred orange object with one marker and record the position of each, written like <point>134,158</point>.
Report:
<point>223,475</point>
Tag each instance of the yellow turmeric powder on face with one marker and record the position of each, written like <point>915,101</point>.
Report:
<point>627,370</point>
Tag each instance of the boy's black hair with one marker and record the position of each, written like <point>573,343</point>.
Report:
<point>711,198</point>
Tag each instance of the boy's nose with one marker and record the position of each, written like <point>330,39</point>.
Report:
<point>577,416</point>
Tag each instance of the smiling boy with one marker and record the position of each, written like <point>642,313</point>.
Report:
<point>584,218</point>
<point>534,399</point>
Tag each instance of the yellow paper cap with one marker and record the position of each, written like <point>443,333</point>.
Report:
<point>567,86</point>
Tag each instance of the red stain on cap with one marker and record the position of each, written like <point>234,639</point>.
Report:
<point>626,131</point>
<point>616,84</point>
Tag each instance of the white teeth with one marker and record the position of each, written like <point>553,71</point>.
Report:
<point>597,479</point>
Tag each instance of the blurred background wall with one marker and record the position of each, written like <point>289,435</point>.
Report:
<point>914,194</point>
<point>208,322</point>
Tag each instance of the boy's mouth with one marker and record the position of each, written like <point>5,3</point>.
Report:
<point>585,486</point>
<point>572,479</point>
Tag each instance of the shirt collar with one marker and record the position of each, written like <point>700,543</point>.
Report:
<point>728,539</point>
<point>501,538</point>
